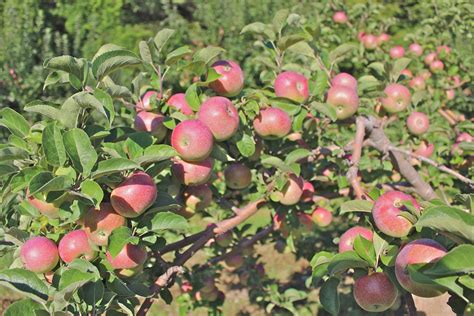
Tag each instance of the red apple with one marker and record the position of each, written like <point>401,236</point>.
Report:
<point>369,41</point>
<point>397,98</point>
<point>306,221</point>
<point>178,101</point>
<point>436,66</point>
<point>344,100</point>
<point>272,123</point>
<point>75,244</point>
<point>129,260</point>
<point>375,292</point>
<point>425,74</point>
<point>443,49</point>
<point>386,213</point>
<point>197,198</point>
<point>416,49</point>
<point>280,224</point>
<point>450,94</point>
<point>418,123</point>
<point>418,251</point>
<point>293,190</point>
<point>192,173</point>
<point>39,254</point>
<point>237,176</point>
<point>47,209</point>
<point>145,103</point>
<point>220,116</point>
<point>407,73</point>
<point>417,83</point>
<point>340,17</point>
<point>99,223</point>
<point>322,217</point>
<point>235,260</point>
<point>292,85</point>
<point>344,79</point>
<point>152,123</point>
<point>464,137</point>
<point>193,140</point>
<point>397,52</point>
<point>308,192</point>
<point>431,57</point>
<point>383,38</point>
<point>135,195</point>
<point>224,240</point>
<point>346,242</point>
<point>425,149</point>
<point>186,287</point>
<point>231,81</point>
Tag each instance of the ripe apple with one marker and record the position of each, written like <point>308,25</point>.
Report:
<point>231,81</point>
<point>272,123</point>
<point>129,260</point>
<point>416,49</point>
<point>425,74</point>
<point>450,94</point>
<point>306,221</point>
<point>418,251</point>
<point>237,176</point>
<point>375,292</point>
<point>443,49</point>
<point>322,217</point>
<point>397,52</point>
<point>425,149</point>
<point>346,242</point>
<point>464,137</point>
<point>383,38</point>
<point>340,17</point>
<point>193,140</point>
<point>386,213</point>
<point>369,41</point>
<point>308,192</point>
<point>178,101</point>
<point>397,98</point>
<point>436,66</point>
<point>39,254</point>
<point>418,123</point>
<point>431,57</point>
<point>344,100</point>
<point>152,123</point>
<point>417,83</point>
<point>192,173</point>
<point>407,73</point>
<point>293,190</point>
<point>224,240</point>
<point>145,103</point>
<point>292,85</point>
<point>344,79</point>
<point>186,287</point>
<point>99,223</point>
<point>75,244</point>
<point>47,209</point>
<point>280,224</point>
<point>134,195</point>
<point>220,116</point>
<point>197,198</point>
<point>235,260</point>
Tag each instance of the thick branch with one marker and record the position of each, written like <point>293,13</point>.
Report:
<point>356,154</point>
<point>181,243</point>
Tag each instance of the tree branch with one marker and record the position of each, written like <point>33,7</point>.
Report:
<point>353,171</point>
<point>410,304</point>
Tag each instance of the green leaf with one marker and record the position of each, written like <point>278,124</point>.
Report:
<point>80,150</point>
<point>68,64</point>
<point>167,221</point>
<point>24,307</point>
<point>448,219</point>
<point>297,155</point>
<point>53,145</point>
<point>456,261</point>
<point>356,206</point>
<point>287,41</point>
<point>380,245</point>
<point>319,86</point>
<point>398,67</point>
<point>192,97</point>
<point>259,28</point>
<point>45,182</point>
<point>329,296</point>
<point>279,20</point>
<point>108,104</point>
<point>320,263</point>
<point>25,282</point>
<point>7,169</point>
<point>177,54</point>
<point>110,61</point>
<point>145,53</point>
<point>302,48</point>
<point>156,153</point>
<point>246,145</point>
<point>15,122</point>
<point>162,37</point>
<point>344,261</point>
<point>275,162</point>
<point>91,189</point>
<point>340,52</point>
<point>12,153</point>
<point>325,109</point>
<point>113,165</point>
<point>118,239</point>
<point>44,108</point>
<point>70,281</point>
<point>207,54</point>
<point>87,101</point>
<point>365,249</point>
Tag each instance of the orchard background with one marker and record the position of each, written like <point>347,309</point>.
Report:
<point>236,157</point>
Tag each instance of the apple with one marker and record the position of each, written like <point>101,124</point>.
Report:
<point>272,123</point>
<point>178,101</point>
<point>47,209</point>
<point>322,217</point>
<point>450,94</point>
<point>425,74</point>
<point>340,17</point>
<point>375,292</point>
<point>425,149</point>
<point>152,123</point>
<point>443,49</point>
<point>369,41</point>
<point>224,240</point>
<point>192,173</point>
<point>145,103</point>
<point>344,100</point>
<point>292,85</point>
<point>220,116</point>
<point>418,123</point>
<point>99,223</point>
<point>346,242</point>
<point>417,83</point>
<point>308,192</point>
<point>235,260</point>
<point>361,35</point>
<point>237,176</point>
<point>436,66</point>
<point>280,224</point>
<point>293,190</point>
<point>186,287</point>
<point>306,221</point>
<point>135,195</point>
<point>344,79</point>
<point>464,137</point>
<point>75,244</point>
<point>431,57</point>
<point>397,98</point>
<point>39,254</point>
<point>197,198</point>
<point>231,81</point>
<point>383,38</point>
<point>397,52</point>
<point>129,260</point>
<point>193,140</point>
<point>418,251</point>
<point>416,49</point>
<point>386,213</point>
<point>407,73</point>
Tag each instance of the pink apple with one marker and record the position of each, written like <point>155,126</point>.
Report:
<point>47,209</point>
<point>425,149</point>
<point>231,81</point>
<point>39,254</point>
<point>407,73</point>
<point>443,49</point>
<point>99,223</point>
<point>193,140</point>
<point>340,17</point>
<point>344,79</point>
<point>292,85</point>
<point>178,101</point>
<point>322,217</point>
<point>308,192</point>
<point>416,49</point>
<point>464,137</point>
<point>417,83</point>
<point>418,123</point>
<point>220,116</point>
<point>436,66</point>
<point>272,123</point>
<point>152,123</point>
<point>237,176</point>
<point>375,292</point>
<point>431,57</point>
<point>145,103</point>
<point>129,260</point>
<point>75,244</point>
<point>397,52</point>
<point>383,38</point>
<point>192,173</point>
<point>397,98</point>
<point>369,41</point>
<point>450,94</point>
<point>344,100</point>
<point>346,242</point>
<point>293,190</point>
<point>197,198</point>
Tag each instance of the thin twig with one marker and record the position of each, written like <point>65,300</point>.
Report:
<point>356,154</point>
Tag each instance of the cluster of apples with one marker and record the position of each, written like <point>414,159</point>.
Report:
<point>375,292</point>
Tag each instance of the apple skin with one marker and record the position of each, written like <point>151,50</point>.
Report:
<point>75,244</point>
<point>280,224</point>
<point>292,85</point>
<point>369,41</point>
<point>418,83</point>
<point>464,137</point>
<point>152,123</point>
<point>231,81</point>
<point>178,101</point>
<point>344,100</point>
<point>450,94</point>
<point>344,79</point>
<point>144,104</point>
<point>397,98</point>
<point>308,192</point>
<point>39,254</point>
<point>272,123</point>
<point>418,251</point>
<point>99,223</point>
<point>383,38</point>
<point>197,198</point>
<point>443,49</point>
<point>321,217</point>
<point>224,240</point>
<point>416,49</point>
<point>293,190</point>
<point>47,209</point>
<point>134,195</point>
<point>375,292</point>
<point>397,52</point>
<point>193,140</point>
<point>418,123</point>
<point>425,150</point>
<point>386,213</point>
<point>306,221</point>
<point>407,73</point>
<point>437,66</point>
<point>220,116</point>
<point>234,260</point>
<point>346,242</point>
<point>192,173</point>
<point>237,176</point>
<point>340,17</point>
<point>129,260</point>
